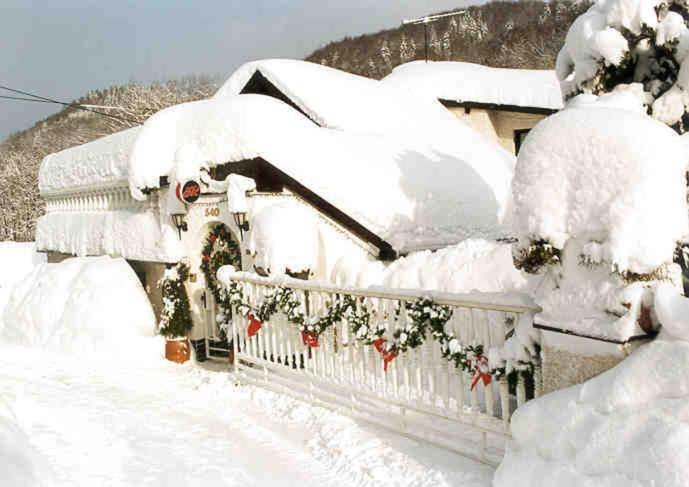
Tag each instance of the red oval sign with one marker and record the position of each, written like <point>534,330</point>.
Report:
<point>188,193</point>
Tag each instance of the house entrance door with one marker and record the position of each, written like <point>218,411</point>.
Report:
<point>220,248</point>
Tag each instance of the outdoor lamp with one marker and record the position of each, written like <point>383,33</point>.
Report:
<point>179,222</point>
<point>240,219</point>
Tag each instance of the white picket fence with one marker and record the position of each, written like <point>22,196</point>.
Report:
<point>422,395</point>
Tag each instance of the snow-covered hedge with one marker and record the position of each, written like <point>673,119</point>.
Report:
<point>82,304</point>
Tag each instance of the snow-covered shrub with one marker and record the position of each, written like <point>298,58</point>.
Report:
<point>86,304</point>
<point>285,238</point>
<point>599,200</point>
<point>641,44</point>
<point>175,318</point>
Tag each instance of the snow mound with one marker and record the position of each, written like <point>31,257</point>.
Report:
<point>626,427</point>
<point>16,260</point>
<point>20,465</point>
<point>472,265</point>
<point>619,185</point>
<point>474,83</point>
<point>284,237</point>
<point>81,304</point>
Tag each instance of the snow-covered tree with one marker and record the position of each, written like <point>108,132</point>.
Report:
<point>386,54</point>
<point>407,49</point>
<point>446,45</point>
<point>631,45</point>
<point>434,43</point>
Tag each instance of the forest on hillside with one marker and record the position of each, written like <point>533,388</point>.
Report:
<point>522,34</point>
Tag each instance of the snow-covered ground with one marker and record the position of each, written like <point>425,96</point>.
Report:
<point>154,423</point>
<point>72,417</point>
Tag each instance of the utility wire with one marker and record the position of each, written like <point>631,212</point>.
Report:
<point>21,98</point>
<point>73,105</point>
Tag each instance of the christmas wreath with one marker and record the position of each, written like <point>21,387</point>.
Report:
<point>218,250</point>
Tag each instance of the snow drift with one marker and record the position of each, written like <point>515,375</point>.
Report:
<point>626,427</point>
<point>20,464</point>
<point>16,260</point>
<point>472,265</point>
<point>80,304</point>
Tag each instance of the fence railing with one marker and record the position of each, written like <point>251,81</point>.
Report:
<point>351,349</point>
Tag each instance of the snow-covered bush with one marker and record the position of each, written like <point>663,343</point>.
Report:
<point>627,427</point>
<point>599,200</point>
<point>637,44</point>
<point>175,319</point>
<point>620,186</point>
<point>87,304</point>
<point>284,238</point>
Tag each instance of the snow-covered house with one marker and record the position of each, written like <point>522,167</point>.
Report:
<point>290,167</point>
<point>503,104</point>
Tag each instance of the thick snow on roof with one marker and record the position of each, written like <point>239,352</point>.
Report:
<point>611,176</point>
<point>467,82</point>
<point>336,99</point>
<point>100,162</point>
<point>413,191</point>
<point>136,235</point>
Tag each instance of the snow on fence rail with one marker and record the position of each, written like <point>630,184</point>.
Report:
<point>412,362</point>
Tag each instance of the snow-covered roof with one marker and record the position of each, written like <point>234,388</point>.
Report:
<point>334,98</point>
<point>474,83</point>
<point>98,163</point>
<point>423,190</point>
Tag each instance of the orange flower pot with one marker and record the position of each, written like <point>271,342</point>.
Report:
<point>178,351</point>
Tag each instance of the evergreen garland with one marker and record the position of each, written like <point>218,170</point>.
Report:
<point>175,319</point>
<point>425,317</point>
<point>218,250</point>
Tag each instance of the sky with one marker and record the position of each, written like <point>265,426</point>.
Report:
<point>64,49</point>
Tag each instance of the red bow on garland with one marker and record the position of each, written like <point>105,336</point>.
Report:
<point>309,338</point>
<point>481,371</point>
<point>254,325</point>
<point>388,355</point>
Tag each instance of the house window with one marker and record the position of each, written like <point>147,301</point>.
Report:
<point>519,137</point>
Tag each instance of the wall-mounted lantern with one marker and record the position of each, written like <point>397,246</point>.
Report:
<point>242,222</point>
<point>178,219</point>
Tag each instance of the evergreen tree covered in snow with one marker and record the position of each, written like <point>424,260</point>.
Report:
<point>632,45</point>
<point>175,319</point>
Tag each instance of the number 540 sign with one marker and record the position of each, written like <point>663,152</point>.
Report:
<point>212,211</point>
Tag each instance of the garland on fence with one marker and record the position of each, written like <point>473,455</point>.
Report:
<point>219,249</point>
<point>425,317</point>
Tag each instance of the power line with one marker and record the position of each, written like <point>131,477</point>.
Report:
<point>73,105</point>
<point>20,98</point>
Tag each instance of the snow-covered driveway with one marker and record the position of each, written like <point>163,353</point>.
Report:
<point>97,422</point>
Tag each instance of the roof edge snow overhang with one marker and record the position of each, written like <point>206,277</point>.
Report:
<point>468,105</point>
<point>270,178</point>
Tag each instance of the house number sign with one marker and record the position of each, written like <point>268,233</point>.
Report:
<point>212,211</point>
